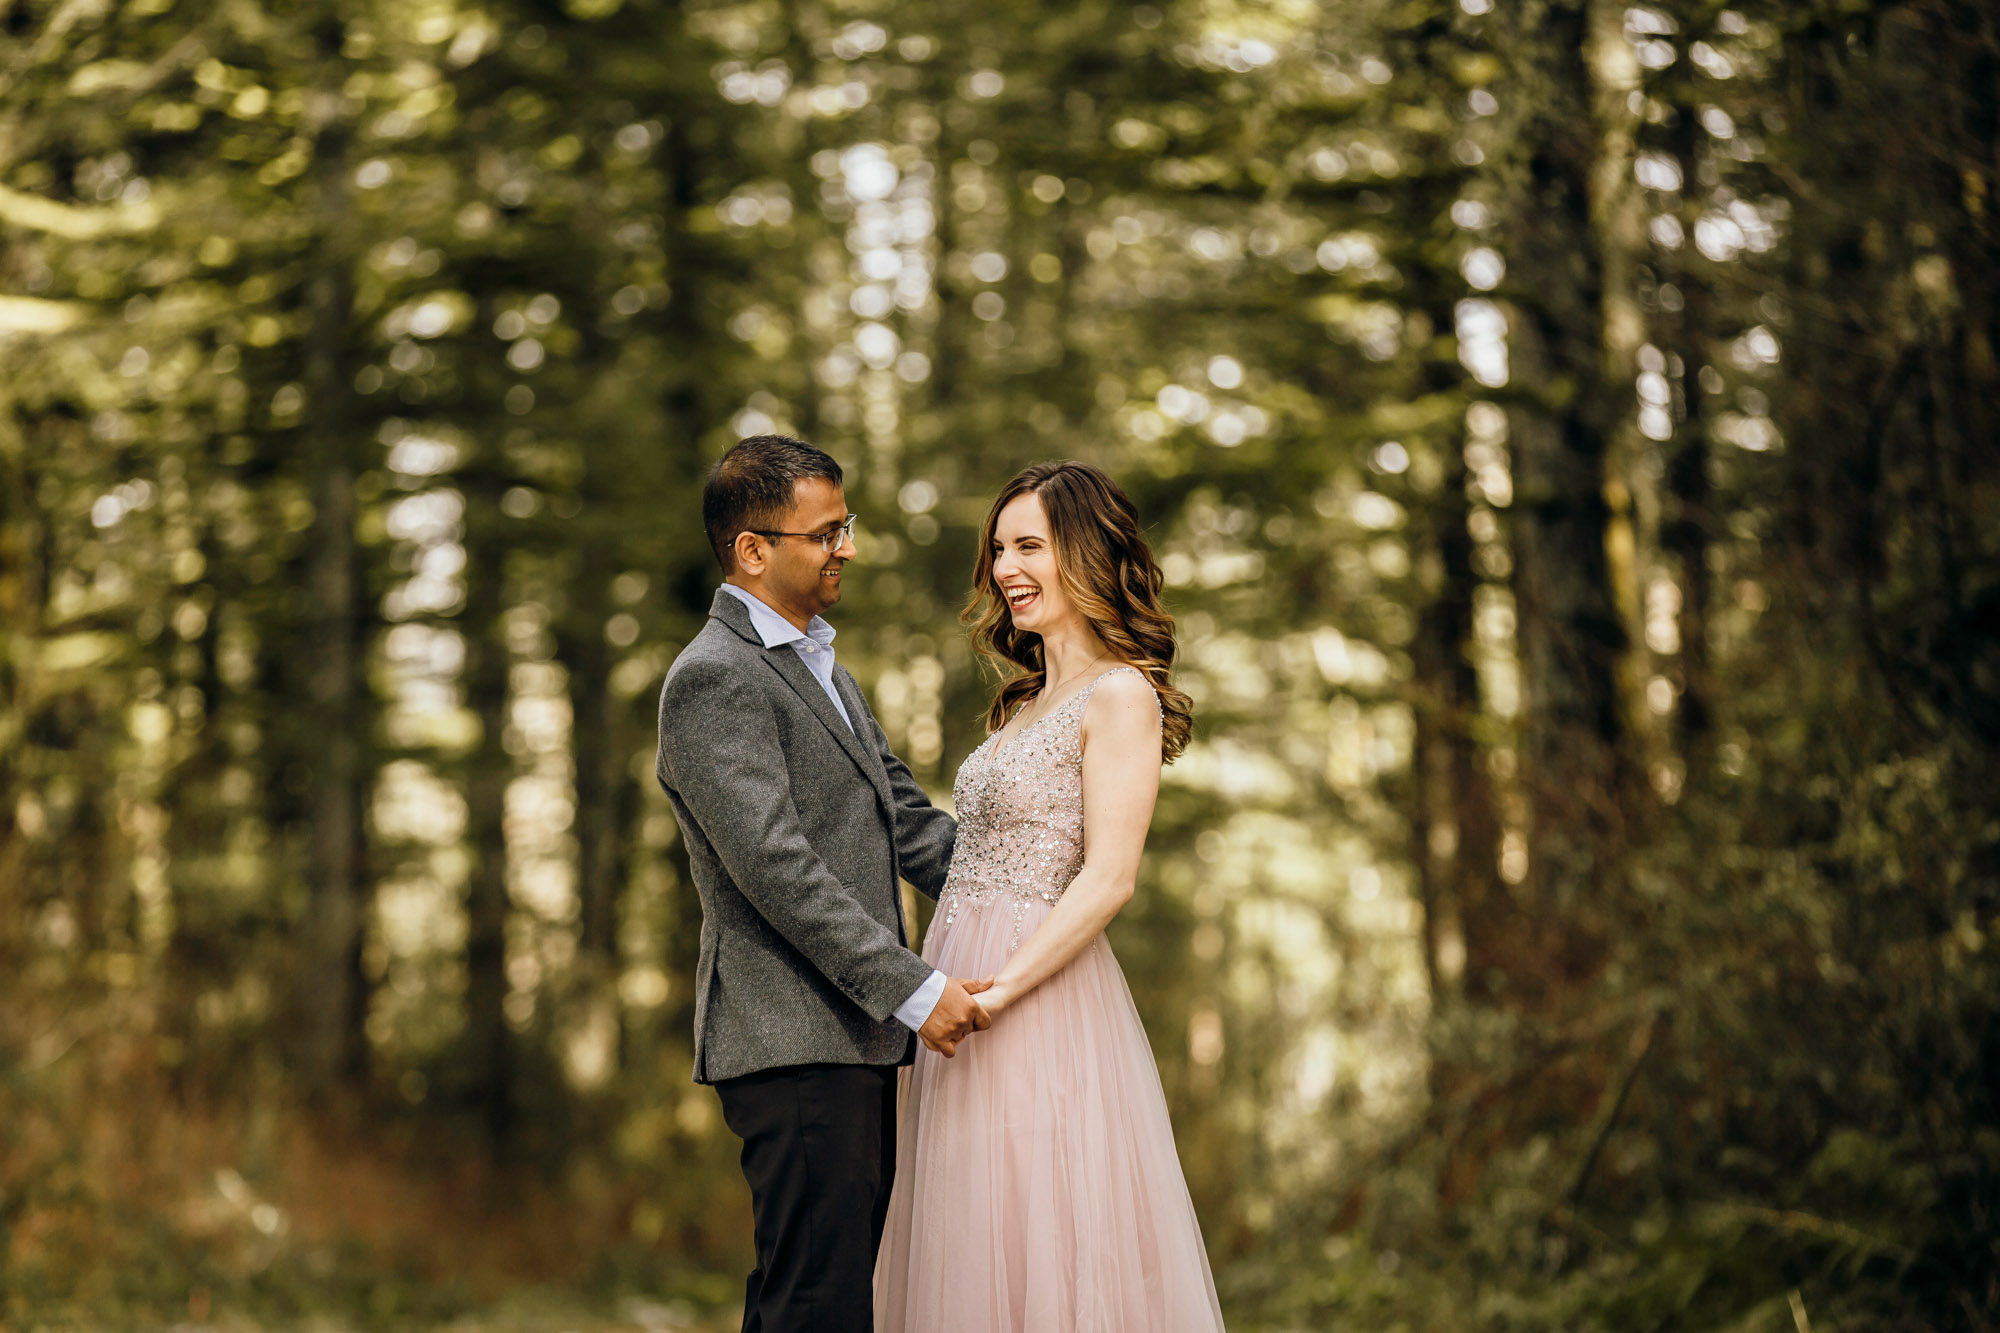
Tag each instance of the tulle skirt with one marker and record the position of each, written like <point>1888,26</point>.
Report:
<point>1037,1188</point>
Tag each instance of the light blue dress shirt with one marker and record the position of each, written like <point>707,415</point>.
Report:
<point>814,645</point>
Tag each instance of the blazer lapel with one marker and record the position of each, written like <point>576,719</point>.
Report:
<point>857,708</point>
<point>786,663</point>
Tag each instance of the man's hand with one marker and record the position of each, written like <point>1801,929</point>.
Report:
<point>956,1017</point>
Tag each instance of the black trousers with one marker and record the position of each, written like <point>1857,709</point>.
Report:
<point>819,1152</point>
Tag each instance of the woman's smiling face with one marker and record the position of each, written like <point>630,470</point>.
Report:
<point>1024,566</point>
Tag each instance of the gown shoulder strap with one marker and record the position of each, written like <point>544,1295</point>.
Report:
<point>1085,693</point>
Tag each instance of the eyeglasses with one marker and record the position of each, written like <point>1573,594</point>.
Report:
<point>829,542</point>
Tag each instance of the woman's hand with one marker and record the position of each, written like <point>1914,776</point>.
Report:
<point>995,997</point>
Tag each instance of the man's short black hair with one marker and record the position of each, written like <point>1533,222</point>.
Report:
<point>754,485</point>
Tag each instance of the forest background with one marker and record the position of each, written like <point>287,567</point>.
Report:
<point>1560,423</point>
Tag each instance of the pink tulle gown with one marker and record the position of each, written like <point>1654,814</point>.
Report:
<point>1037,1188</point>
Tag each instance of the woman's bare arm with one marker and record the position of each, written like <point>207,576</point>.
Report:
<point>1121,780</point>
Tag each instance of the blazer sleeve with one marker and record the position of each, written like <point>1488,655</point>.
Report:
<point>925,835</point>
<point>738,790</point>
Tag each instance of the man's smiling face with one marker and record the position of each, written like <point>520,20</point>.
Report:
<point>800,578</point>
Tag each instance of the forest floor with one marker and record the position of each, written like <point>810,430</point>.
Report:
<point>520,1313</point>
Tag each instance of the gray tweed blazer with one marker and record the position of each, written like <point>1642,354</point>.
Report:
<point>797,830</point>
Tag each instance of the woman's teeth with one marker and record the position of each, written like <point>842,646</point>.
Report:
<point>1020,596</point>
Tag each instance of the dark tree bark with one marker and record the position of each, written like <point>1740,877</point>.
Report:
<point>1455,828</point>
<point>595,718</point>
<point>24,593</point>
<point>1686,532</point>
<point>332,989</point>
<point>688,332</point>
<point>488,1049</point>
<point>1571,638</point>
<point>198,950</point>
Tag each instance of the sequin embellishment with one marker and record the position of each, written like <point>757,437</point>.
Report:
<point>1020,815</point>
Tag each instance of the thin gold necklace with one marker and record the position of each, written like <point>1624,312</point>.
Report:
<point>1021,722</point>
<point>1049,690</point>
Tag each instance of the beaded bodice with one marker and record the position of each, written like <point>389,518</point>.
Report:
<point>1020,813</point>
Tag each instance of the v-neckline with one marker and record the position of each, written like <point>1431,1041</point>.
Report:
<point>1027,727</point>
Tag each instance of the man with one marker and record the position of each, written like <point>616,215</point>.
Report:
<point>798,822</point>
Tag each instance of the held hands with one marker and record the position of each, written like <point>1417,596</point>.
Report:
<point>995,996</point>
<point>956,1017</point>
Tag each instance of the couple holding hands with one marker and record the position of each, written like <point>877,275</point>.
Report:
<point>1029,1183</point>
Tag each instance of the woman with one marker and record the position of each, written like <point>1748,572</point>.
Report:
<point>1037,1189</point>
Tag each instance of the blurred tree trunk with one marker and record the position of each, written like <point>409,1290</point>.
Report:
<point>599,772</point>
<point>1535,943</point>
<point>23,598</point>
<point>1685,532</point>
<point>30,851</point>
<point>1572,638</point>
<point>599,746</point>
<point>1455,826</point>
<point>596,745</point>
<point>332,989</point>
<point>1456,832</point>
<point>949,325</point>
<point>488,1043</point>
<point>1892,351</point>
<point>199,950</point>
<point>687,333</point>
<point>1618,221</point>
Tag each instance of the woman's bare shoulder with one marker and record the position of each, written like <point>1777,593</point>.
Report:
<point>1123,689</point>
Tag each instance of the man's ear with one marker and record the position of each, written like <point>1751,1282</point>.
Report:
<point>749,553</point>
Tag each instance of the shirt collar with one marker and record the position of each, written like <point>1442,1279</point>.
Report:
<point>773,628</point>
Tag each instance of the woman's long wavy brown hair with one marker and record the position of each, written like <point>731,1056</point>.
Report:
<point>1109,574</point>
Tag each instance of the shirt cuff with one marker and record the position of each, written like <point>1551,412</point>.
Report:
<point>916,1011</point>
